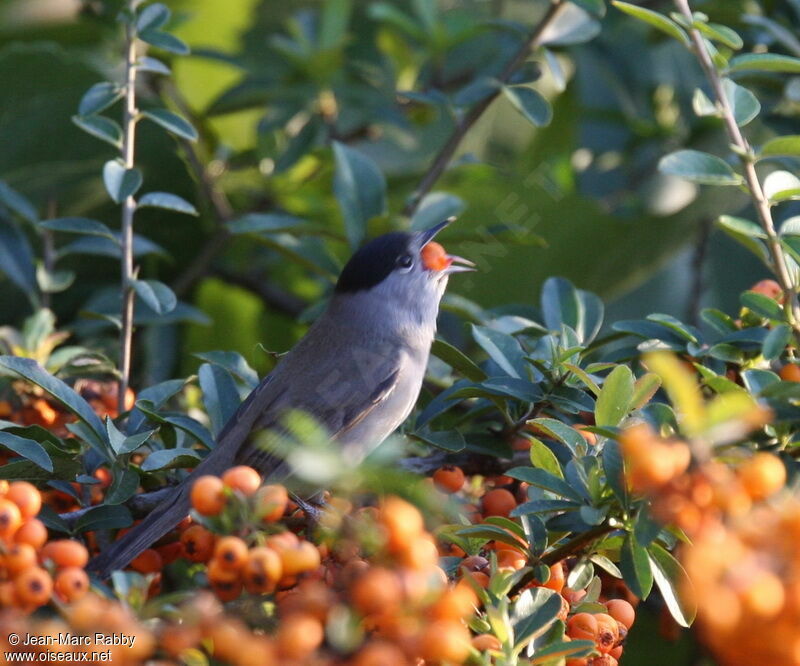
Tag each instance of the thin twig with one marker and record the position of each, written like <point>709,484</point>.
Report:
<point>747,158</point>
<point>128,207</point>
<point>446,152</point>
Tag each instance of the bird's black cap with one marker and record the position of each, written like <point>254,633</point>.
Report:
<point>373,262</point>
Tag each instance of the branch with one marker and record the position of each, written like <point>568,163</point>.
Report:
<point>747,158</point>
<point>139,505</point>
<point>128,207</point>
<point>446,152</point>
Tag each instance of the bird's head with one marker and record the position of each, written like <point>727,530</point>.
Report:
<point>403,272</point>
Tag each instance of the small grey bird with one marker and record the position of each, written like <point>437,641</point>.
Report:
<point>358,371</point>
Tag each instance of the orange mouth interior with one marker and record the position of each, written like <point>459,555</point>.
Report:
<point>434,257</point>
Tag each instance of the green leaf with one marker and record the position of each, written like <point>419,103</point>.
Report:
<point>699,167</point>
<point>264,223</point>
<point>672,582</point>
<point>782,146</point>
<point>560,304</point>
<point>220,395</point>
<point>435,207</point>
<point>490,533</point>
<point>535,610</point>
<point>543,458</point>
<point>120,182</point>
<point>531,104</point>
<point>65,395</point>
<point>560,431</point>
<point>360,189</point>
<point>79,225</point>
<point>615,398</point>
<point>596,7</point>
<point>553,652</point>
<point>644,389</point>
<point>99,97</point>
<point>762,305</point>
<point>153,65</point>
<point>152,17</point>
<point>781,186</point>
<point>543,479</point>
<point>158,296</point>
<point>764,62</point>
<point>503,349</point>
<point>124,486</point>
<point>105,517</point>
<point>457,360</point>
<point>101,128</point>
<point>740,226</point>
<point>776,341</point>
<point>635,566</point>
<point>234,363</point>
<point>17,203</point>
<point>744,103</point>
<point>703,106</point>
<point>172,122</point>
<point>720,33</point>
<point>659,21</point>
<point>335,19</point>
<point>167,201</point>
<point>164,41</point>
<point>170,458</point>
<point>448,440</point>
<point>28,449</point>
<point>17,261</point>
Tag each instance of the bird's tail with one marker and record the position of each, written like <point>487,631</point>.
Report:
<point>164,518</point>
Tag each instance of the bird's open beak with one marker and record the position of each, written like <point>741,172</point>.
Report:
<point>459,265</point>
<point>429,234</point>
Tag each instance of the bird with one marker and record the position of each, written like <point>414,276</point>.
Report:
<point>358,371</point>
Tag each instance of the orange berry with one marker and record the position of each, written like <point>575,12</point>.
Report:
<point>421,554</point>
<point>511,559</point>
<point>242,478</point>
<point>208,495</point>
<point>790,372</point>
<point>19,557</point>
<point>603,660</point>
<point>66,553</point>
<point>231,552</point>
<point>498,502</point>
<point>271,501</point>
<point>198,543</point>
<point>10,518</point>
<point>33,587</point>
<point>71,583</point>
<point>147,562</point>
<point>299,635</point>
<point>582,626</point>
<point>478,577</point>
<point>607,632</point>
<point>449,478</point>
<point>104,476</point>
<point>217,572</point>
<point>379,653</point>
<point>483,642</point>
<point>26,497</point>
<point>557,577</point>
<point>299,559</point>
<point>45,414</point>
<point>455,603</point>
<point>402,521</point>
<point>434,257</point>
<point>227,590</point>
<point>376,590</point>
<point>262,570</point>
<point>621,611</point>
<point>762,475</point>
<point>768,288</point>
<point>444,641</point>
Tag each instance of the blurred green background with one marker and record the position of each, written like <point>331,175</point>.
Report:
<point>271,84</point>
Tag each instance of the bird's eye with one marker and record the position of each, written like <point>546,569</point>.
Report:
<point>405,261</point>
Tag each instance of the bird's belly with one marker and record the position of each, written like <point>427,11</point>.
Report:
<point>382,420</point>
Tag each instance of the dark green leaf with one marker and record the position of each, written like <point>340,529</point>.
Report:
<point>745,104</point>
<point>106,517</point>
<point>543,458</point>
<point>79,225</point>
<point>234,363</point>
<point>152,17</point>
<point>101,128</point>
<point>503,349</point>
<point>560,304</point>
<point>172,122</point>
<point>457,360</point>
<point>264,223</point>
<point>776,341</point>
<point>220,395</point>
<point>699,167</point>
<point>542,479</point>
<point>99,97</point>
<point>762,305</point>
<point>635,567</point>
<point>360,189</point>
<point>124,486</point>
<point>535,610</point>
<point>764,62</point>
<point>164,41</point>
<point>148,64</point>
<point>531,104</point>
<point>169,458</point>
<point>782,146</point>
<point>596,7</point>
<point>158,296</point>
<point>615,397</point>
<point>18,203</point>
<point>672,582</point>
<point>167,201</point>
<point>449,440</point>
<point>551,653</point>
<point>435,207</point>
<point>27,448</point>
<point>16,259</point>
<point>120,182</point>
<point>720,33</point>
<point>565,434</point>
<point>659,21</point>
